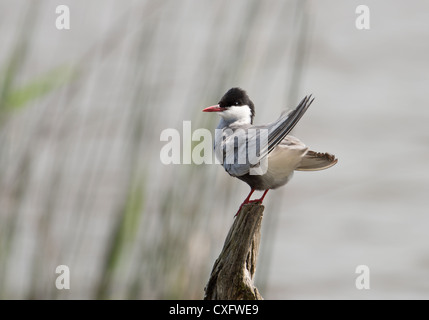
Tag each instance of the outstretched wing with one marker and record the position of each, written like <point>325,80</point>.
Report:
<point>280,128</point>
<point>260,140</point>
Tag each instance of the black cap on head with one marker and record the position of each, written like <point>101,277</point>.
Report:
<point>237,97</point>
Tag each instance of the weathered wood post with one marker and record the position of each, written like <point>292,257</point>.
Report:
<point>232,274</point>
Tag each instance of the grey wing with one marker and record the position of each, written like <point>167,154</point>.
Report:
<point>279,129</point>
<point>260,141</point>
<point>236,152</point>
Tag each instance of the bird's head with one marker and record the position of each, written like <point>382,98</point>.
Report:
<point>234,106</point>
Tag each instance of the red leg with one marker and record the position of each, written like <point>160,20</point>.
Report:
<point>251,201</point>
<point>261,199</point>
<point>245,201</point>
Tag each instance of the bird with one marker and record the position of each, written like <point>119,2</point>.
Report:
<point>281,153</point>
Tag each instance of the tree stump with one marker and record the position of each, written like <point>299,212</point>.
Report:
<point>232,274</point>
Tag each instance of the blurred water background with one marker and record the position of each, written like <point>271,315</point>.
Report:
<point>82,110</point>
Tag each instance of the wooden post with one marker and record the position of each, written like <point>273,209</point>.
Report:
<point>232,274</point>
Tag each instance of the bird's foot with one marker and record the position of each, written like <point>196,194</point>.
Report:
<point>260,200</point>
<point>256,201</point>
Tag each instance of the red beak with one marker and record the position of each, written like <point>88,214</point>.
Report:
<point>215,108</point>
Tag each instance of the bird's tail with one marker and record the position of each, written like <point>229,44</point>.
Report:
<point>313,161</point>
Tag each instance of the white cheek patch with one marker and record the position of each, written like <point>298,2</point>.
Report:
<point>235,113</point>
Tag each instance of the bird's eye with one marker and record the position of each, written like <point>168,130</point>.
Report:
<point>236,103</point>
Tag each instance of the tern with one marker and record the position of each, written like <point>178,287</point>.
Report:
<point>281,153</point>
